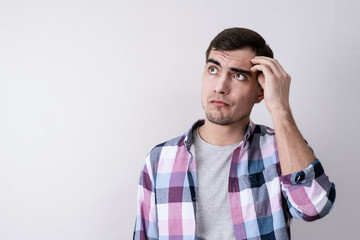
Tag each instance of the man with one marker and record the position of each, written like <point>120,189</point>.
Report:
<point>228,178</point>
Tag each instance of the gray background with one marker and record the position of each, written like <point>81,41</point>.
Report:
<point>87,88</point>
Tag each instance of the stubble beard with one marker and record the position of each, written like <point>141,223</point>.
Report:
<point>219,118</point>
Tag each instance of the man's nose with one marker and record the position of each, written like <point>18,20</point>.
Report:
<point>221,86</point>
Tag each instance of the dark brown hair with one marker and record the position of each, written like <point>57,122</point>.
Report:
<point>239,38</point>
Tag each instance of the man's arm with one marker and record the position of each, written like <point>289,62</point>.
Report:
<point>294,153</point>
<point>145,224</point>
<point>309,192</point>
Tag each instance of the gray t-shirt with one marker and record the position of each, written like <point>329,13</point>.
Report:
<point>213,216</point>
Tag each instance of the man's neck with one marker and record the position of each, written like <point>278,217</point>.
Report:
<point>223,135</point>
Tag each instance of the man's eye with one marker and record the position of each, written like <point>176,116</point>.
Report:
<point>239,76</point>
<point>213,70</point>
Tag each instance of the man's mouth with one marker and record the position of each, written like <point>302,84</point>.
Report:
<point>219,103</point>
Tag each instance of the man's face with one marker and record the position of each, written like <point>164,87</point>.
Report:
<point>229,88</point>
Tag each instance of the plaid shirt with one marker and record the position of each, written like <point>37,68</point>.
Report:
<point>262,201</point>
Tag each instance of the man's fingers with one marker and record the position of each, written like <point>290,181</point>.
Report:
<point>273,64</point>
<point>265,70</point>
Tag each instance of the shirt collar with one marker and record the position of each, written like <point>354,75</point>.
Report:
<point>189,138</point>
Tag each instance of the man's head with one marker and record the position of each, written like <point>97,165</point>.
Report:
<point>229,88</point>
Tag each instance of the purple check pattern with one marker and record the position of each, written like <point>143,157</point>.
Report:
<point>262,200</point>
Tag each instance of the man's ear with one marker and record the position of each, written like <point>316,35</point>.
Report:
<point>260,94</point>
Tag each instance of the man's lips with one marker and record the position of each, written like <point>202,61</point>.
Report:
<point>219,103</point>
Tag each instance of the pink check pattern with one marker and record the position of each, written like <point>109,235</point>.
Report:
<point>262,200</point>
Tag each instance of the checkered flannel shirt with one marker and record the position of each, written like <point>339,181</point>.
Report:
<point>262,200</point>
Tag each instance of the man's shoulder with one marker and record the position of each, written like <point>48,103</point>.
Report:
<point>263,130</point>
<point>176,141</point>
<point>180,140</point>
<point>164,154</point>
<point>261,135</point>
<point>168,145</point>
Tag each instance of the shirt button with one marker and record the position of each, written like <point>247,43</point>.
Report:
<point>300,177</point>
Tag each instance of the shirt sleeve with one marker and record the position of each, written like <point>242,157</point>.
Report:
<point>146,224</point>
<point>310,194</point>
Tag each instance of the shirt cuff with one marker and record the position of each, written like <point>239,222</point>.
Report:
<point>313,171</point>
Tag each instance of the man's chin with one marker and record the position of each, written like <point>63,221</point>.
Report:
<point>223,121</point>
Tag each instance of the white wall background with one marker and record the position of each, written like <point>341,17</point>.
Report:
<point>87,88</point>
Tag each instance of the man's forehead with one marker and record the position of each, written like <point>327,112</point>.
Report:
<point>239,56</point>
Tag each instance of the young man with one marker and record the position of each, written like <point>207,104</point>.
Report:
<point>228,178</point>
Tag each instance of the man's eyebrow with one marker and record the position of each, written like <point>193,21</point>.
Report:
<point>214,62</point>
<point>243,71</point>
